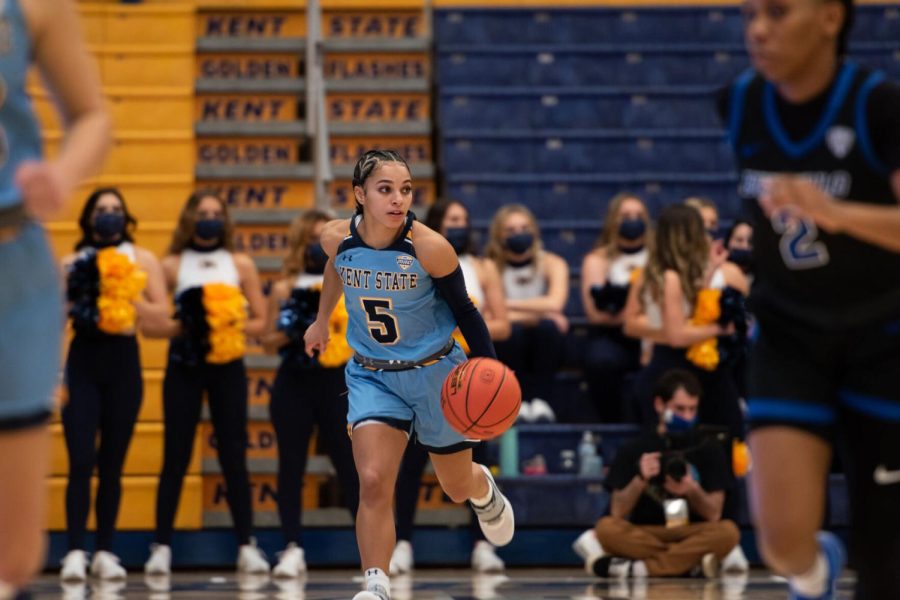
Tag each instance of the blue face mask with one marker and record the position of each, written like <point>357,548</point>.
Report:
<point>716,234</point>
<point>109,225</point>
<point>316,259</point>
<point>675,424</point>
<point>209,229</point>
<point>519,243</point>
<point>632,229</point>
<point>459,238</point>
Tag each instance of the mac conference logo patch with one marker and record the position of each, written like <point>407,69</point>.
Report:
<point>404,261</point>
<point>840,140</point>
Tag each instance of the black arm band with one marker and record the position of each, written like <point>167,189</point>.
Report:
<point>453,288</point>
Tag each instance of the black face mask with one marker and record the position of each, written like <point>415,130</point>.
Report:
<point>109,226</point>
<point>315,259</point>
<point>459,238</point>
<point>632,229</point>
<point>742,257</point>
<point>519,243</point>
<point>209,230</point>
<point>716,234</point>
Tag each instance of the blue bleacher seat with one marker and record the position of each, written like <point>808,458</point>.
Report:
<point>611,26</point>
<point>577,65</point>
<point>580,107</point>
<point>586,151</point>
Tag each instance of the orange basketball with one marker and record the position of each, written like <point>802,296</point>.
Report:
<point>481,398</point>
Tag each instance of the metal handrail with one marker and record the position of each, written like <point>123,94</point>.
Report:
<point>316,119</point>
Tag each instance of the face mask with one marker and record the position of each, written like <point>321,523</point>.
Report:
<point>458,238</point>
<point>742,257</point>
<point>716,234</point>
<point>209,229</point>
<point>632,229</point>
<point>109,225</point>
<point>674,423</point>
<point>316,259</point>
<point>519,243</point>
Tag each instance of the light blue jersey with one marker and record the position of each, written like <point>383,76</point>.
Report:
<point>395,312</point>
<point>20,138</point>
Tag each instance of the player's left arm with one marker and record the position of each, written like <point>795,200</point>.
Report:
<point>439,259</point>
<point>872,223</point>
<point>875,224</point>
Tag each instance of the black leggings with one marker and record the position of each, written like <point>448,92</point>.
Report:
<point>226,388</point>
<point>609,356</point>
<point>409,481</point>
<point>301,399</point>
<point>103,373</point>
<point>535,353</point>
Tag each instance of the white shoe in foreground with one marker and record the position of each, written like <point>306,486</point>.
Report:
<point>735,561</point>
<point>106,566</point>
<point>402,558</point>
<point>485,559</point>
<point>74,566</point>
<point>251,559</point>
<point>160,561</point>
<point>496,518</point>
<point>291,562</point>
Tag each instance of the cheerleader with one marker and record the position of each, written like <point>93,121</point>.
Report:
<point>606,274</point>
<point>219,302</point>
<point>106,278</point>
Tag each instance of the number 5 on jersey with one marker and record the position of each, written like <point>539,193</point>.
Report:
<point>382,324</point>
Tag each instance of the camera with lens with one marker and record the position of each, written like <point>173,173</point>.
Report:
<point>674,465</point>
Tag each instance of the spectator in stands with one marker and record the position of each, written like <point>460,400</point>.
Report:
<point>739,242</point>
<point>307,392</point>
<point>451,219</point>
<point>536,283</point>
<point>663,308</point>
<point>709,212</point>
<point>103,371</point>
<point>668,489</point>
<point>606,275</point>
<point>213,288</point>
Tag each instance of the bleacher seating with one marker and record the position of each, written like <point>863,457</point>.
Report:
<point>562,108</point>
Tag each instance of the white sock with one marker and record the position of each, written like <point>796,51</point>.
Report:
<point>7,592</point>
<point>812,583</point>
<point>376,577</point>
<point>486,499</point>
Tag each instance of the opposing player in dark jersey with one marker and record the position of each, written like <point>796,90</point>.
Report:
<point>817,141</point>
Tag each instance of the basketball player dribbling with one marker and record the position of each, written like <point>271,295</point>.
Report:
<point>31,313</point>
<point>405,294</point>
<point>817,141</point>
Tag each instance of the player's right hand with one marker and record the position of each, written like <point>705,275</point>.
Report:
<point>316,337</point>
<point>43,189</point>
<point>649,465</point>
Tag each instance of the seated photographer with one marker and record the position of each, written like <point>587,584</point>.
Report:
<point>667,494</point>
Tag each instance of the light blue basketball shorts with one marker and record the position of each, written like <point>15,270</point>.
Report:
<point>409,400</point>
<point>31,323</point>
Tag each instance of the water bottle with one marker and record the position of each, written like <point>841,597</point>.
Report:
<point>509,452</point>
<point>587,455</point>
